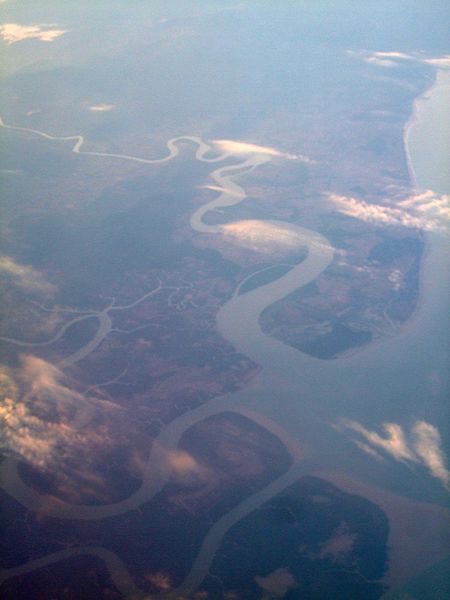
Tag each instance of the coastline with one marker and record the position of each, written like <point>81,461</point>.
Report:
<point>430,293</point>
<point>413,120</point>
<point>441,79</point>
<point>431,241</point>
<point>428,255</point>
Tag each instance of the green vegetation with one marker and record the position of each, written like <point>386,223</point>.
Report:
<point>332,543</point>
<point>339,339</point>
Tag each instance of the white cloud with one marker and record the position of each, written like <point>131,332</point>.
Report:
<point>25,277</point>
<point>13,32</point>
<point>394,442</point>
<point>427,445</point>
<point>35,424</point>
<point>277,583</point>
<point>398,55</point>
<point>182,462</point>
<point>101,107</point>
<point>423,446</point>
<point>44,421</point>
<point>380,59</point>
<point>368,450</point>
<point>229,192</point>
<point>262,236</point>
<point>425,210</point>
<point>380,62</point>
<point>236,147</point>
<point>441,62</point>
<point>392,59</point>
<point>340,545</point>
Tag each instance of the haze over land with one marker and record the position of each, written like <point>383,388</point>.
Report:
<point>224,343</point>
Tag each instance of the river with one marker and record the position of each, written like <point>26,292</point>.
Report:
<point>395,380</point>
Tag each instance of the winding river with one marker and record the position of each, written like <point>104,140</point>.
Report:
<point>298,395</point>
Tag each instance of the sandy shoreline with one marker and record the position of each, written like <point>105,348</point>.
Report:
<point>416,115</point>
<point>417,529</point>
<point>419,110</point>
<point>431,250</point>
<point>419,106</point>
<point>413,120</point>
